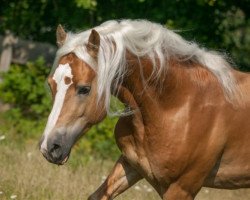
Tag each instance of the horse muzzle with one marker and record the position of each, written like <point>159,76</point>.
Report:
<point>56,155</point>
<point>56,144</point>
<point>56,149</point>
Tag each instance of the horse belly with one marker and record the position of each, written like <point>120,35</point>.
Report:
<point>232,170</point>
<point>229,178</point>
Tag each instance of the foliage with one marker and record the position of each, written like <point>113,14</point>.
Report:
<point>218,24</point>
<point>38,19</point>
<point>24,88</point>
<point>86,4</point>
<point>97,142</point>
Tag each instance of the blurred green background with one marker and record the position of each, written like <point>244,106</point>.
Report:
<point>222,25</point>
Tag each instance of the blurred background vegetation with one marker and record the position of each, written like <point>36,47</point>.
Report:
<point>222,25</point>
<point>218,24</point>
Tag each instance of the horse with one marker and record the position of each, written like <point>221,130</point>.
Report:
<point>187,110</point>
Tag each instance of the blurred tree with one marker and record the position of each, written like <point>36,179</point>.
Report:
<point>38,19</point>
<point>218,24</point>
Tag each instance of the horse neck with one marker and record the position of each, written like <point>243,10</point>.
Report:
<point>182,81</point>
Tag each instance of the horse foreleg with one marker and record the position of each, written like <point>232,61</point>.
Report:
<point>122,176</point>
<point>175,191</point>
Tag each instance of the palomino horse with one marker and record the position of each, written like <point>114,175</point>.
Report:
<point>188,118</point>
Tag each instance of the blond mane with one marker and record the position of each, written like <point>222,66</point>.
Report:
<point>142,38</point>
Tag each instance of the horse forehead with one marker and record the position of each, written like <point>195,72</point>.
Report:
<point>62,71</point>
<point>80,69</point>
<point>82,72</point>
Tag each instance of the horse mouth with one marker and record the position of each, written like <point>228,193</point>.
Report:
<point>65,160</point>
<point>60,161</point>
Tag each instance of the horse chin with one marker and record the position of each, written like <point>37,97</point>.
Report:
<point>73,141</point>
<point>61,162</point>
<point>64,160</point>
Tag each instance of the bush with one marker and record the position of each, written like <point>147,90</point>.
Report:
<point>24,88</point>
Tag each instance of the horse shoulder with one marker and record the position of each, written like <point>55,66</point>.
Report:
<point>129,135</point>
<point>126,135</point>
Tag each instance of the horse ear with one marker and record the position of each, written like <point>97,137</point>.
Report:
<point>60,35</point>
<point>93,43</point>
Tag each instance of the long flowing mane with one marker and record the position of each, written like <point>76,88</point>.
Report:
<point>142,38</point>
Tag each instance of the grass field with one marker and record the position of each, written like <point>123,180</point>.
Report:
<point>26,175</point>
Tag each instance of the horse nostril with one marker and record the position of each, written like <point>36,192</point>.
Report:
<point>55,151</point>
<point>56,146</point>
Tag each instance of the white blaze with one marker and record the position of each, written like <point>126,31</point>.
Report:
<point>61,72</point>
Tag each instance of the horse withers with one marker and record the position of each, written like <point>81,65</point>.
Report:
<point>187,119</point>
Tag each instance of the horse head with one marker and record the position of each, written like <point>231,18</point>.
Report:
<point>73,85</point>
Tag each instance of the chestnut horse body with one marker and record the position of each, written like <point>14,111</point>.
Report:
<point>189,127</point>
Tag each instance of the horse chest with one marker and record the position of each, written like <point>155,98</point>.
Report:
<point>130,142</point>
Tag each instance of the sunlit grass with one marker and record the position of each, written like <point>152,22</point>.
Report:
<point>26,175</point>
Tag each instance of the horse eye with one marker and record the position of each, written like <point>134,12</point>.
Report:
<point>83,90</point>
